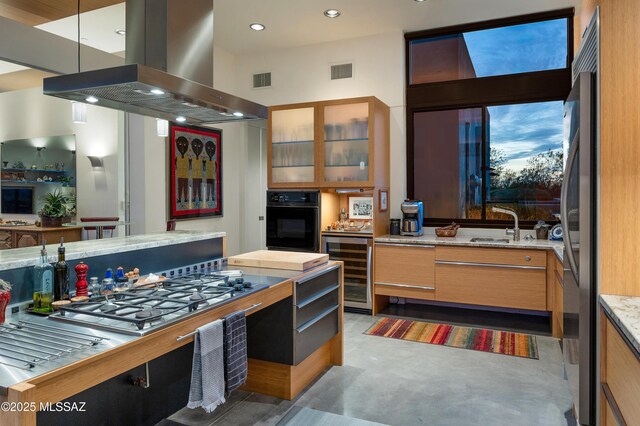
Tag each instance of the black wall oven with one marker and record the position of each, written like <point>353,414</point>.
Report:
<point>293,220</point>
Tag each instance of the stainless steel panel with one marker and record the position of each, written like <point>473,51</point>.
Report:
<point>488,265</point>
<point>579,229</point>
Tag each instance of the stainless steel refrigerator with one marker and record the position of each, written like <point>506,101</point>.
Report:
<point>578,216</point>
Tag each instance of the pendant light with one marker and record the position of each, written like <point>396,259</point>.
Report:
<point>78,109</point>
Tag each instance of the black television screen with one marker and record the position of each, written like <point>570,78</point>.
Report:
<point>17,200</point>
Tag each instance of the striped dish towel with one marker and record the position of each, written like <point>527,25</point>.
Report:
<point>235,351</point>
<point>207,374</point>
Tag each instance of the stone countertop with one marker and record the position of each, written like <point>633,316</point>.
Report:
<point>625,312</point>
<point>25,257</point>
<point>432,239</point>
<point>559,249</point>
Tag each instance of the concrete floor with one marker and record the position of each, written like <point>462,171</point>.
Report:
<point>399,382</point>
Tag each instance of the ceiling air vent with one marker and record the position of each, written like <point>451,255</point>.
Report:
<point>262,80</point>
<point>341,71</point>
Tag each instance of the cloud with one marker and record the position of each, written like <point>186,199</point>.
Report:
<point>526,130</point>
<point>518,48</point>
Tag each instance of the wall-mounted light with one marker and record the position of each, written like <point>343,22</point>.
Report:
<point>162,128</point>
<point>96,162</point>
<point>78,112</point>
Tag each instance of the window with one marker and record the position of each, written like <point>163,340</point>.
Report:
<point>485,118</point>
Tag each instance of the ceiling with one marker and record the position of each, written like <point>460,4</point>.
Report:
<point>289,23</point>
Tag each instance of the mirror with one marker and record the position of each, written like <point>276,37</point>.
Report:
<point>32,168</point>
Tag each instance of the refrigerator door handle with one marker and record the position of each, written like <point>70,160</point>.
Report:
<point>564,215</point>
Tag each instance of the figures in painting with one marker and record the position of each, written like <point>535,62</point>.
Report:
<point>197,165</point>
<point>210,172</point>
<point>182,170</point>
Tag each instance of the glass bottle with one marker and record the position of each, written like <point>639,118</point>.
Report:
<point>122,282</point>
<point>61,289</point>
<point>43,283</point>
<point>107,282</point>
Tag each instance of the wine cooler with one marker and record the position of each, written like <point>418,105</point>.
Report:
<point>357,255</point>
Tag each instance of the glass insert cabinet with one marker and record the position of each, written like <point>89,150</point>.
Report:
<point>338,143</point>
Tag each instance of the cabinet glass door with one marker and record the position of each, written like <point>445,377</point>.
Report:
<point>292,145</point>
<point>346,143</point>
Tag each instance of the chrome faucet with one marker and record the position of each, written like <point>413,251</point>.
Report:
<point>515,231</point>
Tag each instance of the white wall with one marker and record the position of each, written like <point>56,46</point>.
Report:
<point>303,74</point>
<point>28,113</point>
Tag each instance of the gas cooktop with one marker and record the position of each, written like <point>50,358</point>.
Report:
<point>138,311</point>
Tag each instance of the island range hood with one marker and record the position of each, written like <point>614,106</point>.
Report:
<point>168,72</point>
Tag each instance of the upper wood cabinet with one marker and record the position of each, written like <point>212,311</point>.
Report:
<point>331,144</point>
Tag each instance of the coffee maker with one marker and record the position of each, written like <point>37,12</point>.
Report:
<point>412,215</point>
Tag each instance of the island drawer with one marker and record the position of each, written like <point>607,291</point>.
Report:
<point>314,284</point>
<point>313,306</point>
<point>496,256</point>
<point>315,333</point>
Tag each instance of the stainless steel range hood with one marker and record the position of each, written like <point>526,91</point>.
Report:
<point>169,71</point>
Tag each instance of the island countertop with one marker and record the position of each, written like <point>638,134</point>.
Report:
<point>28,256</point>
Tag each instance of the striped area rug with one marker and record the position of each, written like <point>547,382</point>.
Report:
<point>477,339</point>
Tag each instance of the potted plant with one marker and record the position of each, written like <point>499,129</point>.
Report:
<point>55,208</point>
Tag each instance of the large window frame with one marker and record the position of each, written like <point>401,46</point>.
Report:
<point>483,92</point>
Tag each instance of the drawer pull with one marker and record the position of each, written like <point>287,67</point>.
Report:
<point>405,285</point>
<point>405,245</point>
<point>316,319</point>
<point>527,258</point>
<point>488,265</point>
<point>317,296</point>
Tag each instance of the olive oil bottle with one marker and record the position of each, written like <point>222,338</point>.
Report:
<point>43,283</point>
<point>61,289</point>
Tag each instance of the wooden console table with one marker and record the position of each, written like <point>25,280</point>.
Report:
<point>31,235</point>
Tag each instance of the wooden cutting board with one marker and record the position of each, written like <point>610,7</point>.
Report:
<point>290,260</point>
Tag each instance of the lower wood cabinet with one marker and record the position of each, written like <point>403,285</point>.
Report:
<point>508,278</point>
<point>492,285</point>
<point>402,270</point>
<point>619,378</point>
<point>501,277</point>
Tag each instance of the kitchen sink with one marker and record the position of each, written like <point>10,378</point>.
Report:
<point>489,240</point>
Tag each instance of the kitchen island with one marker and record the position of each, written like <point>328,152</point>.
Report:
<point>123,369</point>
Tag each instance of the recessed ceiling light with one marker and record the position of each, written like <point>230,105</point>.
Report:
<point>332,13</point>
<point>91,99</point>
<point>419,1</point>
<point>181,119</point>
<point>157,91</point>
<point>120,32</point>
<point>256,26</point>
<point>238,114</point>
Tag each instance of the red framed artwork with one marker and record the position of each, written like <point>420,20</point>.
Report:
<point>195,162</point>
